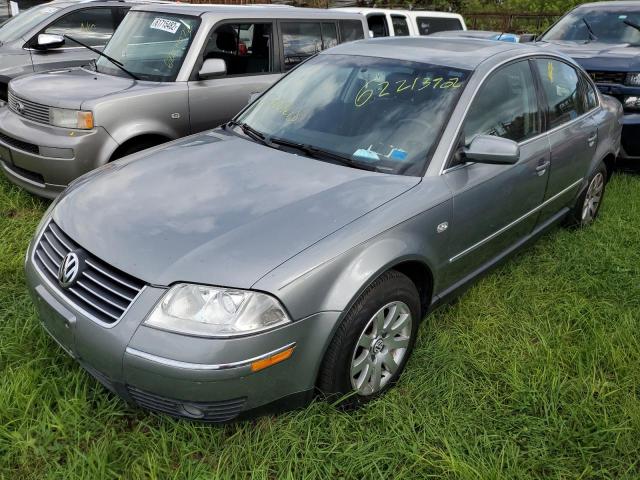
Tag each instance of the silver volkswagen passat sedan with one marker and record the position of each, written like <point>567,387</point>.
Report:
<point>297,248</point>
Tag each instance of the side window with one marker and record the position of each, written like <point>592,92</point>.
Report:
<point>429,25</point>
<point>561,89</point>
<point>93,26</point>
<point>588,94</point>
<point>505,106</point>
<point>246,48</point>
<point>329,35</point>
<point>378,25</point>
<point>400,26</point>
<point>119,14</point>
<point>351,30</point>
<point>301,40</point>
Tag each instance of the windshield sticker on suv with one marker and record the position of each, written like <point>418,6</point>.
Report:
<point>381,88</point>
<point>165,25</point>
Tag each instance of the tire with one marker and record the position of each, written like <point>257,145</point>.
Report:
<point>587,206</point>
<point>385,316</point>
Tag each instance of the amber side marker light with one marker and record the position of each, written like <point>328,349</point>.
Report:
<point>272,360</point>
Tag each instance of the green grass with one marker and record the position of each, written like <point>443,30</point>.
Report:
<point>535,372</point>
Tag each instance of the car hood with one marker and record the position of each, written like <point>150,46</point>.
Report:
<point>216,209</point>
<point>68,88</point>
<point>599,56</point>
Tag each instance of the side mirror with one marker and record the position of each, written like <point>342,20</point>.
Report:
<point>47,41</point>
<point>212,67</point>
<point>493,150</point>
<point>527,38</point>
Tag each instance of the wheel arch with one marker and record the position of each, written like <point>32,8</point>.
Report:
<point>152,139</point>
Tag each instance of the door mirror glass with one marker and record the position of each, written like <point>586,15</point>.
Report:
<point>213,67</point>
<point>47,41</point>
<point>492,149</point>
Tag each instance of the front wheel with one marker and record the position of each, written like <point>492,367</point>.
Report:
<point>588,204</point>
<point>373,343</point>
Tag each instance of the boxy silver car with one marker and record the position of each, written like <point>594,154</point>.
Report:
<point>27,40</point>
<point>301,245</point>
<point>172,70</point>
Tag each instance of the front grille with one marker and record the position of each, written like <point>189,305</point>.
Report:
<point>30,110</point>
<point>19,144</point>
<point>221,411</point>
<point>608,77</point>
<point>102,291</point>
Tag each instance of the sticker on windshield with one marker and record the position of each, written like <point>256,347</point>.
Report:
<point>366,154</point>
<point>622,17</point>
<point>165,25</point>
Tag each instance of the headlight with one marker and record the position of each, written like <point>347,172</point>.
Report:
<point>631,103</point>
<point>61,117</point>
<point>633,79</point>
<point>216,312</point>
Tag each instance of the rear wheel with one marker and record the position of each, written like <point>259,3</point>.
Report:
<point>373,343</point>
<point>587,207</point>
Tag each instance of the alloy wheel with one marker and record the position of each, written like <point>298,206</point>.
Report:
<point>592,199</point>
<point>381,348</point>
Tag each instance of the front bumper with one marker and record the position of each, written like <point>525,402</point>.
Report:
<point>197,378</point>
<point>45,159</point>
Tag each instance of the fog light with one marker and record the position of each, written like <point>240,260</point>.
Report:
<point>631,103</point>
<point>192,411</point>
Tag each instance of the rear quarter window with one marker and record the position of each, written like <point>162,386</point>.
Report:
<point>429,25</point>
<point>351,30</point>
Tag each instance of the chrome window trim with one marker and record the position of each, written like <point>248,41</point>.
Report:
<point>204,366</point>
<point>57,292</point>
<point>514,223</point>
<point>444,169</point>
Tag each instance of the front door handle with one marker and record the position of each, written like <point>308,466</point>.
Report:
<point>541,169</point>
<point>591,141</point>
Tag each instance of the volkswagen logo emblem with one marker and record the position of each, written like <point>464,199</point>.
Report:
<point>69,270</point>
<point>20,107</point>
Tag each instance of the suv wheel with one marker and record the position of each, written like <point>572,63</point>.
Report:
<point>374,341</point>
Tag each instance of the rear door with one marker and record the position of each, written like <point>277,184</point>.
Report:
<point>92,26</point>
<point>253,65</point>
<point>573,134</point>
<point>495,206</point>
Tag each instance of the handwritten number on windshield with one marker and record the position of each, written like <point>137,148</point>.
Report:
<point>369,91</point>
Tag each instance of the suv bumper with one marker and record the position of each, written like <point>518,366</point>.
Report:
<point>198,378</point>
<point>59,155</point>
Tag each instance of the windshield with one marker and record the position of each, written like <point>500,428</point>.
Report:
<point>608,26</point>
<point>19,25</point>
<point>384,113</point>
<point>150,45</point>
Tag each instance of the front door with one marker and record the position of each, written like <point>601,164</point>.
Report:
<point>495,205</point>
<point>247,49</point>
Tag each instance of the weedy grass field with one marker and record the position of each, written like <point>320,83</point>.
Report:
<point>535,372</point>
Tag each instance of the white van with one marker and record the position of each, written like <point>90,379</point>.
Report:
<point>389,23</point>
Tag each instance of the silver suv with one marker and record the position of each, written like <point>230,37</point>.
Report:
<point>168,71</point>
<point>21,49</point>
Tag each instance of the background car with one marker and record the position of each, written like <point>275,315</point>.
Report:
<point>604,38</point>
<point>481,34</point>
<point>300,246</point>
<point>172,70</point>
<point>391,22</point>
<point>23,51</point>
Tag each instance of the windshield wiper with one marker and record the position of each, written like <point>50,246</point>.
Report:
<point>112,60</point>
<point>631,24</point>
<point>251,132</point>
<point>320,153</point>
<point>592,36</point>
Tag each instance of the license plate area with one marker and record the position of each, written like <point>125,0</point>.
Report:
<point>56,320</point>
<point>5,155</point>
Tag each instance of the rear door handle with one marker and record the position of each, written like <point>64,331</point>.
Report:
<point>592,139</point>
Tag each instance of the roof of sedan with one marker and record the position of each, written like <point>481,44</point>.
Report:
<point>614,4</point>
<point>466,53</point>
